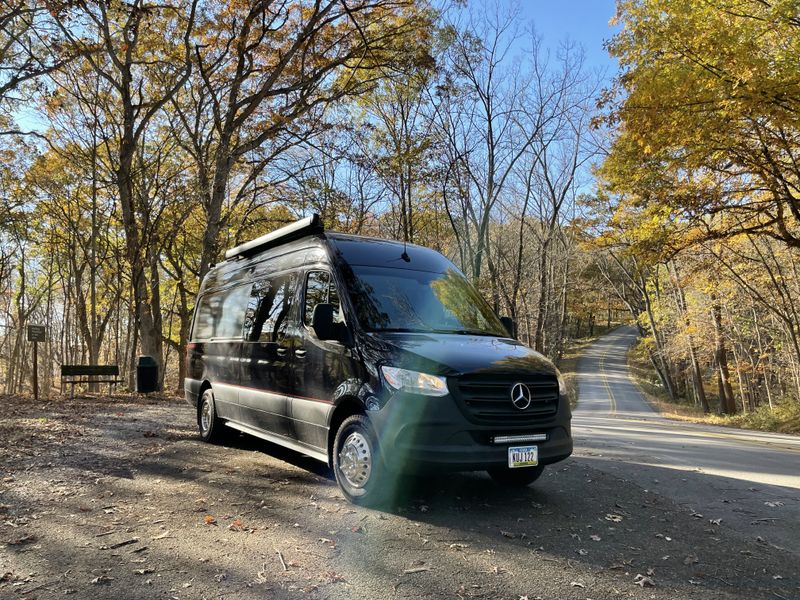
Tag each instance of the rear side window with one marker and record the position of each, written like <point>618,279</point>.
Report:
<point>209,310</point>
<point>269,308</point>
<point>221,314</point>
<point>321,289</point>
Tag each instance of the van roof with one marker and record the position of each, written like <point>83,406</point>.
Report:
<point>355,250</point>
<point>378,252</point>
<point>352,248</point>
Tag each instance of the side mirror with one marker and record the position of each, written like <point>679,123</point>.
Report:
<point>509,324</point>
<point>322,322</point>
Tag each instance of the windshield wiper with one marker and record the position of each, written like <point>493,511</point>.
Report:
<point>465,332</point>
<point>447,331</point>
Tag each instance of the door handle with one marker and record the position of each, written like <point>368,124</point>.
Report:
<point>299,353</point>
<point>281,351</point>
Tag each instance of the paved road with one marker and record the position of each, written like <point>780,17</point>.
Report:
<point>750,480</point>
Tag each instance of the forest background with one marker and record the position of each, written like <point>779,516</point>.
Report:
<point>168,132</point>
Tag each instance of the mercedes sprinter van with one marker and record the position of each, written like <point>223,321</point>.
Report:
<point>377,357</point>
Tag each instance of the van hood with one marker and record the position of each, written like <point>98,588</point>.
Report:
<point>454,354</point>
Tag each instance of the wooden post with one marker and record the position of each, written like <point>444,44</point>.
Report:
<point>36,371</point>
<point>36,334</point>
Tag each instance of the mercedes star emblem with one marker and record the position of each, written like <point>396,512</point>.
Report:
<point>521,396</point>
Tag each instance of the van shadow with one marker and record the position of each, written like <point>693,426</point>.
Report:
<point>301,461</point>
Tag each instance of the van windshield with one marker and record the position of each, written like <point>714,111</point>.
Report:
<point>420,301</point>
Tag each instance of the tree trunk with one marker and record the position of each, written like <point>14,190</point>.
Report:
<point>541,304</point>
<point>662,368</point>
<point>727,403</point>
<point>697,375</point>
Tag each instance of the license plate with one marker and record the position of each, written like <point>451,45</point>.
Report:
<point>523,456</point>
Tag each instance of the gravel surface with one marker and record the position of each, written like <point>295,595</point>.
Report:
<point>117,498</point>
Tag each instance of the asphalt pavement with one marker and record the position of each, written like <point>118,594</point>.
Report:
<point>748,479</point>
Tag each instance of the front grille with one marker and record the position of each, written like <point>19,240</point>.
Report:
<point>487,399</point>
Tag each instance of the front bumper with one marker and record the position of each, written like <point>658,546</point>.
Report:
<point>419,433</point>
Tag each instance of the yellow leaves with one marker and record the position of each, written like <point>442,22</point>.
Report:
<point>707,90</point>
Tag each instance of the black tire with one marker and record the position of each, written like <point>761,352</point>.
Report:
<point>516,477</point>
<point>362,478</point>
<point>212,429</point>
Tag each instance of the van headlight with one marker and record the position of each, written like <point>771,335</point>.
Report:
<point>562,385</point>
<point>414,382</point>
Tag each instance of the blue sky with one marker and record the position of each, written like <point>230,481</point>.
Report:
<point>582,21</point>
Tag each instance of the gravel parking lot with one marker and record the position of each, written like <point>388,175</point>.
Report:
<point>116,498</point>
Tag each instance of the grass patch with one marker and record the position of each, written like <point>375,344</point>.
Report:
<point>783,418</point>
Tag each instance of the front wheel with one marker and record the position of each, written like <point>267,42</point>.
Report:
<point>516,477</point>
<point>356,462</point>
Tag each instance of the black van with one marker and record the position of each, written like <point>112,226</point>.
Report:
<point>375,356</point>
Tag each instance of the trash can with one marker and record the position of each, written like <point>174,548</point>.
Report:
<point>146,375</point>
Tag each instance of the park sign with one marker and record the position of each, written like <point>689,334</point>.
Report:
<point>36,333</point>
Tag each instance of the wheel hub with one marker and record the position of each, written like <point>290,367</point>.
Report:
<point>205,416</point>
<point>355,460</point>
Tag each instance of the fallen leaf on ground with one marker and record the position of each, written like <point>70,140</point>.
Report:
<point>237,525</point>
<point>508,534</point>
<point>643,581</point>
<point>23,540</point>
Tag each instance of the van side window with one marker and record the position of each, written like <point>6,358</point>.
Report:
<point>208,312</point>
<point>229,325</point>
<point>269,308</point>
<point>221,314</point>
<point>320,289</point>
